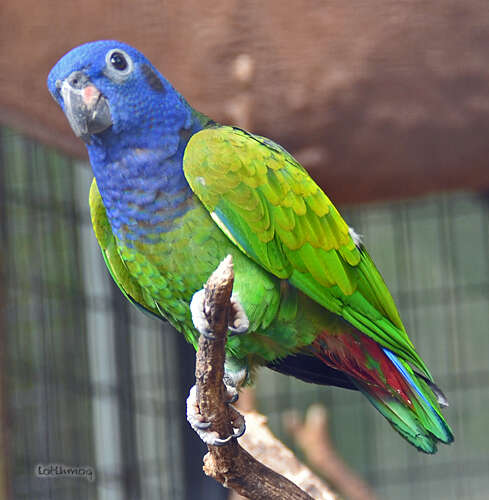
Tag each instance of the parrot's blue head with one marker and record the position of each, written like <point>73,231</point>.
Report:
<point>113,97</point>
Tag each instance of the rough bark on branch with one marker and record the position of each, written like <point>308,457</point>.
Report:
<point>231,465</point>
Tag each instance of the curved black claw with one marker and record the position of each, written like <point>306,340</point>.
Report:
<point>241,430</point>
<point>235,435</point>
<point>233,398</point>
<point>233,332</point>
<point>201,425</point>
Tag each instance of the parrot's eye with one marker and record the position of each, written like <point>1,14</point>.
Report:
<point>118,65</point>
<point>118,61</point>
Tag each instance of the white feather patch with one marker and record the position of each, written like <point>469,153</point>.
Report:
<point>357,238</point>
<point>225,230</point>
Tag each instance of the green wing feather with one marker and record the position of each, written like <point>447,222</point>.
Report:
<point>269,206</point>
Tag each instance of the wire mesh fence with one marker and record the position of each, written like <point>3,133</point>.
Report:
<point>89,381</point>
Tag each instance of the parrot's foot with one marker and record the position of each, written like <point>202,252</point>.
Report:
<point>238,321</point>
<point>235,374</point>
<point>201,427</point>
<point>198,317</point>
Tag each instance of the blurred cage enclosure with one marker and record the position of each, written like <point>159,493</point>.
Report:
<point>385,103</point>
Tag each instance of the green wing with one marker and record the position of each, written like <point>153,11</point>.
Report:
<point>116,266</point>
<point>269,206</point>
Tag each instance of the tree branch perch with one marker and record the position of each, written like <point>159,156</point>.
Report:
<point>231,465</point>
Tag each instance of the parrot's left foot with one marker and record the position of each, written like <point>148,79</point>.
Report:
<point>201,427</point>
<point>238,323</point>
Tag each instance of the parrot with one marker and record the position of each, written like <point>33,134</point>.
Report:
<point>174,193</point>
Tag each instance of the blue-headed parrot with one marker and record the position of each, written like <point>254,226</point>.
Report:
<point>175,192</point>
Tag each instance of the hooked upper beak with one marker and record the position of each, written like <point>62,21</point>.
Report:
<point>85,107</point>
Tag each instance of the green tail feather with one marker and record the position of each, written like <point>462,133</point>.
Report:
<point>422,425</point>
<point>404,422</point>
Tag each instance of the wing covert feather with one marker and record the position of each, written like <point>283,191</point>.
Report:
<point>268,205</point>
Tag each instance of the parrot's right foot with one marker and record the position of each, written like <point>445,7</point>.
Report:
<point>201,427</point>
<point>238,320</point>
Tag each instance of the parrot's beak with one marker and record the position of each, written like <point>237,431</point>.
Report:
<point>85,107</point>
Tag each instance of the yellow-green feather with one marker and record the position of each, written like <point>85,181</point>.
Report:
<point>267,203</point>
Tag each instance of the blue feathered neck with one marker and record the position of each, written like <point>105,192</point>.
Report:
<point>140,175</point>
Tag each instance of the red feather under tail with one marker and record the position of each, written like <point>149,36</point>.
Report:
<point>405,398</point>
<point>364,360</point>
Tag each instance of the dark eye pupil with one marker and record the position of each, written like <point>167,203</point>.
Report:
<point>118,61</point>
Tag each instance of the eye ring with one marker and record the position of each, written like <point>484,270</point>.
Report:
<point>118,65</point>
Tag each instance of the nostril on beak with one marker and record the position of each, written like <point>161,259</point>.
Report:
<point>77,80</point>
